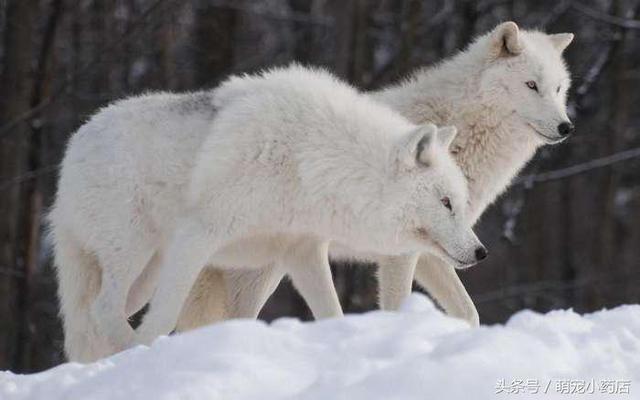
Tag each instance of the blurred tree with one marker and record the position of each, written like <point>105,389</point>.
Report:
<point>565,235</point>
<point>16,84</point>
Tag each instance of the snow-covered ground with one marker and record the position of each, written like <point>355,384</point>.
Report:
<point>415,354</point>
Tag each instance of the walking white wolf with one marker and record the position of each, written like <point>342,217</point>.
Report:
<point>506,94</point>
<point>292,159</point>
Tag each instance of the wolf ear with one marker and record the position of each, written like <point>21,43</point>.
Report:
<point>561,40</point>
<point>445,136</point>
<point>505,40</point>
<point>415,148</point>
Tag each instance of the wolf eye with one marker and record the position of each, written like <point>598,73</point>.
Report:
<point>532,85</point>
<point>558,89</point>
<point>446,202</point>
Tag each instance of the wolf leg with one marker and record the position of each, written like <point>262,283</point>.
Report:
<point>187,254</point>
<point>248,291</point>
<point>442,282</point>
<point>108,311</point>
<point>307,263</point>
<point>142,288</point>
<point>206,303</point>
<point>395,277</point>
<point>219,294</point>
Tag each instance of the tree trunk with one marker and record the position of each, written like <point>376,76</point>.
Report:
<point>33,192</point>
<point>16,89</point>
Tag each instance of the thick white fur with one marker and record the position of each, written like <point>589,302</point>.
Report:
<point>501,123</point>
<point>155,188</point>
<point>102,219</point>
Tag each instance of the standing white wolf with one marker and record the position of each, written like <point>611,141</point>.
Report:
<point>291,160</point>
<point>506,94</point>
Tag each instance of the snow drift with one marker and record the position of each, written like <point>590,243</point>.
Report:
<point>417,353</point>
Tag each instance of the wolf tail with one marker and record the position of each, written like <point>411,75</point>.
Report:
<point>79,277</point>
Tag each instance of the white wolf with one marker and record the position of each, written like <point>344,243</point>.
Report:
<point>506,94</point>
<point>292,159</point>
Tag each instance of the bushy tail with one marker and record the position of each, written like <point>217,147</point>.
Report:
<point>79,277</point>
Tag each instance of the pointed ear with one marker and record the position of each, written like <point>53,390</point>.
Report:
<point>415,148</point>
<point>445,136</point>
<point>561,40</point>
<point>505,40</point>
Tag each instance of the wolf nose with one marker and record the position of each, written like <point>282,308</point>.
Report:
<point>481,253</point>
<point>565,128</point>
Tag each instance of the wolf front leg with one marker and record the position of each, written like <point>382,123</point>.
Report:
<point>187,254</point>
<point>442,282</point>
<point>307,263</point>
<point>395,277</point>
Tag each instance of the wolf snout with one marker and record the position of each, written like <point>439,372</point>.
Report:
<point>565,128</point>
<point>481,253</point>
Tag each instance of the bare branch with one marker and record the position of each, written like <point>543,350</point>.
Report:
<point>593,73</point>
<point>604,17</point>
<point>112,46</point>
<point>259,9</point>
<point>28,176</point>
<point>11,272</point>
<point>551,285</point>
<point>560,8</point>
<point>579,168</point>
<point>512,210</point>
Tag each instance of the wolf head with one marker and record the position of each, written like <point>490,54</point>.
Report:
<point>434,193</point>
<point>526,75</point>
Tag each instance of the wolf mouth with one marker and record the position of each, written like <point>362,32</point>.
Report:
<point>548,139</point>
<point>551,140</point>
<point>422,234</point>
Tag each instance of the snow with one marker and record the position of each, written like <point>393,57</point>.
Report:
<point>417,353</point>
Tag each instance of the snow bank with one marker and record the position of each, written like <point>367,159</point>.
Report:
<point>415,354</point>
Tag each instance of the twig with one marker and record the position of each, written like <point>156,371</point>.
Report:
<point>604,17</point>
<point>28,176</point>
<point>512,210</point>
<point>291,16</point>
<point>593,73</point>
<point>486,6</point>
<point>441,15</point>
<point>560,8</point>
<point>11,272</point>
<point>542,286</point>
<point>28,114</point>
<point>579,168</point>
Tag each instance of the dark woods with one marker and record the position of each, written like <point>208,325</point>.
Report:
<point>565,235</point>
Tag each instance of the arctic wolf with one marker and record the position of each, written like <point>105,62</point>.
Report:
<point>506,94</point>
<point>287,161</point>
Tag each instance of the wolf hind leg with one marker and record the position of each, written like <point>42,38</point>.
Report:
<point>220,294</point>
<point>119,271</point>
<point>207,301</point>
<point>248,291</point>
<point>144,285</point>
